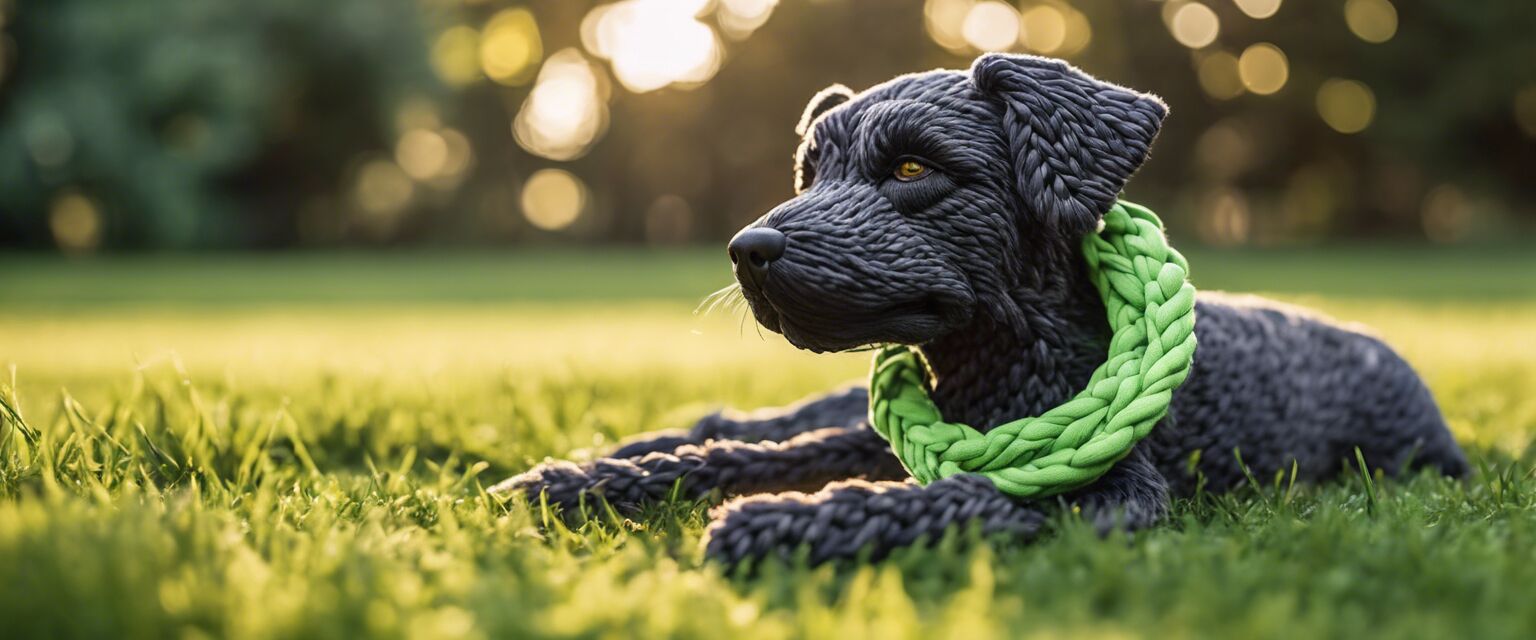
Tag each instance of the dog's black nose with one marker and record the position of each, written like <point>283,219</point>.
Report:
<point>754,248</point>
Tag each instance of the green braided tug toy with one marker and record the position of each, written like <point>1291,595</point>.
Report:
<point>1151,304</point>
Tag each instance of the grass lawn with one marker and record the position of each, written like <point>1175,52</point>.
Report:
<point>279,446</point>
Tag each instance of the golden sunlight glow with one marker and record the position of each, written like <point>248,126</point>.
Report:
<point>1079,32</point>
<point>1373,21</point>
<point>456,56</point>
<point>739,18</point>
<point>75,222</point>
<point>1263,68</point>
<point>566,111</point>
<point>1219,76</point>
<point>1194,25</point>
<point>1346,105</point>
<point>1044,29</point>
<point>653,43</point>
<point>460,153</point>
<point>382,190</point>
<point>422,154</point>
<point>991,26</point>
<point>945,21</point>
<point>1525,110</point>
<point>553,199</point>
<point>1169,8</point>
<point>591,24</point>
<point>1258,9</point>
<point>510,47</point>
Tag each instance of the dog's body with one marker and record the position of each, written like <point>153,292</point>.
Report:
<point>968,249</point>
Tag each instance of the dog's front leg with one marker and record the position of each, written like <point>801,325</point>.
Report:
<point>845,519</point>
<point>842,408</point>
<point>807,461</point>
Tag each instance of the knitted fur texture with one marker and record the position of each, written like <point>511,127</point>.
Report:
<point>977,263</point>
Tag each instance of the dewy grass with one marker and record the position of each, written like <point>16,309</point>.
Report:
<point>296,471</point>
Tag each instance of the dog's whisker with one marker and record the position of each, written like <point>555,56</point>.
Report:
<point>709,302</point>
<point>738,303</point>
<point>713,300</point>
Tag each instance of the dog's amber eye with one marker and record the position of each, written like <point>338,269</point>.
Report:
<point>910,170</point>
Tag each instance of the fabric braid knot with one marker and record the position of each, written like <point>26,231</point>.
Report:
<point>1151,307</point>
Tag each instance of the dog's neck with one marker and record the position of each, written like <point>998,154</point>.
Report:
<point>1035,350</point>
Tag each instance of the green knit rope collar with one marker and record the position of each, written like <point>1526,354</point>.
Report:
<point>1151,307</point>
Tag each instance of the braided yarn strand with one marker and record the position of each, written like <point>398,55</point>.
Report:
<point>1151,307</point>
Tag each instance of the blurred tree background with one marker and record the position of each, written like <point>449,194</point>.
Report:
<point>176,124</point>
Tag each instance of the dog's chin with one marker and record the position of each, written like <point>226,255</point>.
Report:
<point>915,322</point>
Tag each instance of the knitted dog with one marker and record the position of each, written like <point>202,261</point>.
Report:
<point>945,209</point>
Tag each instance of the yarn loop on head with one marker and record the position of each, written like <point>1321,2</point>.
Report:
<point>1151,307</point>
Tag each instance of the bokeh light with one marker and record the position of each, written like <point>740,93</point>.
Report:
<point>566,111</point>
<point>461,155</point>
<point>1194,25</point>
<point>1044,29</point>
<point>422,154</point>
<point>945,22</point>
<point>420,129</point>
<point>1263,68</point>
<point>456,55</point>
<point>1525,110</point>
<point>1258,9</point>
<point>381,191</point>
<point>1346,105</point>
<point>1219,76</point>
<point>739,18</point>
<point>510,47</point>
<point>1373,21</point>
<point>1079,32</point>
<point>991,26</point>
<point>653,43</point>
<point>553,199</point>
<point>75,222</point>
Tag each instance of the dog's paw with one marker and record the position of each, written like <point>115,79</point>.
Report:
<point>851,518</point>
<point>840,521</point>
<point>760,526</point>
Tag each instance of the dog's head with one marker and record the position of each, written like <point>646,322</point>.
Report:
<point>919,201</point>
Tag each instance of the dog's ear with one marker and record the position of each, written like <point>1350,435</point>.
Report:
<point>1074,140</point>
<point>821,103</point>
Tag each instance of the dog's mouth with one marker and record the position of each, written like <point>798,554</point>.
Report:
<point>841,326</point>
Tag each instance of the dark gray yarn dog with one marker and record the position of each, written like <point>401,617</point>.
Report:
<point>945,209</point>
